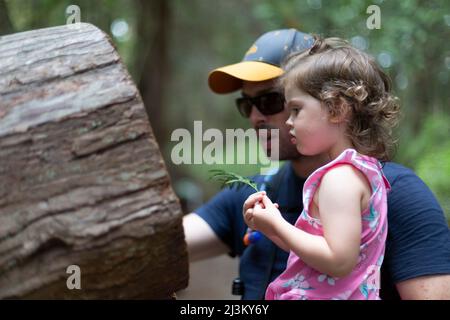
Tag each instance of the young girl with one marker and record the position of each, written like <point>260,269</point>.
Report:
<point>340,106</point>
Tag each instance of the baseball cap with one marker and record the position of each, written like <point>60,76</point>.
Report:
<point>262,61</point>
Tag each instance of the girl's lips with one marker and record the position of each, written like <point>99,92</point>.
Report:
<point>293,138</point>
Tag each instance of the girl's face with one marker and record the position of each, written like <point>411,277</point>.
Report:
<point>310,127</point>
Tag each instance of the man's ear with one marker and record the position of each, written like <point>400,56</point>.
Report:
<point>339,110</point>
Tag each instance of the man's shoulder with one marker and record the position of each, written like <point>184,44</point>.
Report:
<point>402,178</point>
<point>393,171</point>
<point>409,196</point>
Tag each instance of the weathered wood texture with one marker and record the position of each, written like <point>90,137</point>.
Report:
<point>82,181</point>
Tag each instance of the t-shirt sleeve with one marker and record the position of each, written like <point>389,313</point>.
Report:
<point>419,237</point>
<point>222,213</point>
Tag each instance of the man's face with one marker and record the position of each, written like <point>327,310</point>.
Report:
<point>259,121</point>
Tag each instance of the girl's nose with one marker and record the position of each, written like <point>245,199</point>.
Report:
<point>289,122</point>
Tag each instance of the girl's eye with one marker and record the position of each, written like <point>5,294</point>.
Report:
<point>295,111</point>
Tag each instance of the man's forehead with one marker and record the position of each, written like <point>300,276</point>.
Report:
<point>250,88</point>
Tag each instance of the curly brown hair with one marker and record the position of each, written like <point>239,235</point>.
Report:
<point>352,86</point>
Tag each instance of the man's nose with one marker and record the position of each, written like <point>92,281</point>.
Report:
<point>256,116</point>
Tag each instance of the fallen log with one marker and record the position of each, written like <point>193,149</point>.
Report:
<point>82,180</point>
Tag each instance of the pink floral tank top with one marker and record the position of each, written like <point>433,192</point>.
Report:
<point>301,282</point>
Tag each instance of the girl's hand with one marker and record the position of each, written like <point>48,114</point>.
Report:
<point>265,216</point>
<point>247,209</point>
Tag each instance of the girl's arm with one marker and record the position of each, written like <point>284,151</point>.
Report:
<point>280,243</point>
<point>339,200</point>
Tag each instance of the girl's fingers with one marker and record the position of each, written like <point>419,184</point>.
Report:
<point>248,215</point>
<point>252,199</point>
<point>267,202</point>
<point>276,205</point>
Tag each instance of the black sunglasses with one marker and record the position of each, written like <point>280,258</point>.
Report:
<point>268,104</point>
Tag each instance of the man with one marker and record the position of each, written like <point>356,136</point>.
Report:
<point>417,257</point>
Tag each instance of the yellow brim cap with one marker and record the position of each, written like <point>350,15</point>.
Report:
<point>229,78</point>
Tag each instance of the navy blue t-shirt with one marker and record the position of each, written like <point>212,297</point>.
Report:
<point>418,242</point>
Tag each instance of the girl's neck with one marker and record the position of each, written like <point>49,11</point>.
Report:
<point>305,165</point>
<point>339,147</point>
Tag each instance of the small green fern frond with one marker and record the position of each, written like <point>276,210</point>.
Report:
<point>230,179</point>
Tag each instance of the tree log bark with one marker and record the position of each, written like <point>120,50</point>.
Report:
<point>82,181</point>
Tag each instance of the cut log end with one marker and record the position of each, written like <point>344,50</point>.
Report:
<point>82,180</point>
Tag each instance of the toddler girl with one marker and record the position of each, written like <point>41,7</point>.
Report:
<point>340,106</point>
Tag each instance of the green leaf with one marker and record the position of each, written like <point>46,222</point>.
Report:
<point>231,179</point>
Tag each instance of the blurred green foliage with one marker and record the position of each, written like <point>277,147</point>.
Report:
<point>199,35</point>
<point>432,151</point>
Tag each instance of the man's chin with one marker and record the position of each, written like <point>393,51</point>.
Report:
<point>282,155</point>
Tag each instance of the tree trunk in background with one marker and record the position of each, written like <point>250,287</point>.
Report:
<point>5,22</point>
<point>151,64</point>
<point>82,181</point>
